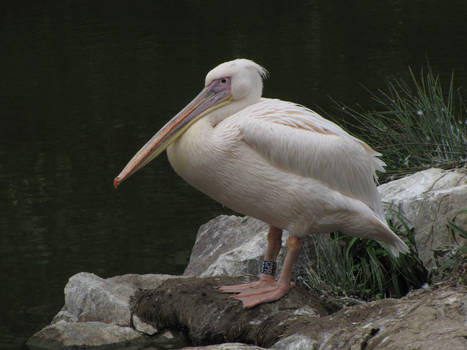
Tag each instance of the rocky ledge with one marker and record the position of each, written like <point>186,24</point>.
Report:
<point>162,311</point>
<point>134,312</point>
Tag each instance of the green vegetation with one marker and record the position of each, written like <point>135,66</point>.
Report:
<point>362,268</point>
<point>451,261</point>
<point>417,126</point>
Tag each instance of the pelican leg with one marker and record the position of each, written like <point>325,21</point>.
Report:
<point>251,298</point>
<point>265,280</point>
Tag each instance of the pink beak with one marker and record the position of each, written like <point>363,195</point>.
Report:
<point>213,96</point>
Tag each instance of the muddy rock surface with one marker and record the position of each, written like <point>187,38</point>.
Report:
<point>172,312</point>
<point>209,317</point>
<point>431,318</point>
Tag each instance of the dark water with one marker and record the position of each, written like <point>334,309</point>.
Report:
<point>84,84</point>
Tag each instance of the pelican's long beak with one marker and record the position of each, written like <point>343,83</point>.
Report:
<point>213,96</point>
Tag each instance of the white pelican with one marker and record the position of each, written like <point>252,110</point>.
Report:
<point>273,160</point>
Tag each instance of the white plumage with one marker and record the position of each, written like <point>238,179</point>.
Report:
<point>274,160</point>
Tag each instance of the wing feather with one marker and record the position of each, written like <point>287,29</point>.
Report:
<point>298,140</point>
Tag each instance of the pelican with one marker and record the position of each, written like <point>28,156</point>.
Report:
<point>273,160</point>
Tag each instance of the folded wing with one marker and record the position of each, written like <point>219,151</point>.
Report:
<point>298,140</point>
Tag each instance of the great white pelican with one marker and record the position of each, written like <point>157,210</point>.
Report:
<point>273,160</point>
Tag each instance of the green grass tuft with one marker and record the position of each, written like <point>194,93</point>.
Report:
<point>351,267</point>
<point>451,260</point>
<point>417,125</point>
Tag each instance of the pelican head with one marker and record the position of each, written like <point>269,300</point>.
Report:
<point>229,87</point>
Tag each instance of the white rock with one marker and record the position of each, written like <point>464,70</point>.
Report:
<point>228,245</point>
<point>91,298</point>
<point>428,200</point>
<point>97,312</point>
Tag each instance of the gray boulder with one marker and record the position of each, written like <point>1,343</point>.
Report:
<point>97,313</point>
<point>91,298</point>
<point>234,246</point>
<point>432,318</point>
<point>228,245</point>
<point>428,200</point>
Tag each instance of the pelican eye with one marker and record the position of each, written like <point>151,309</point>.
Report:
<point>223,80</point>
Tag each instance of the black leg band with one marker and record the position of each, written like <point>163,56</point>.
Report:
<point>269,268</point>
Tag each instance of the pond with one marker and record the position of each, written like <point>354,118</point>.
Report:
<point>84,84</point>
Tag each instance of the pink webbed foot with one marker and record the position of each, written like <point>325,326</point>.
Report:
<point>265,290</point>
<point>265,281</point>
<point>252,297</point>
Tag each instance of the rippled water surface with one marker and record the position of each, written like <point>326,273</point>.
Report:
<point>84,84</point>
